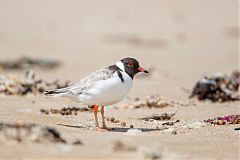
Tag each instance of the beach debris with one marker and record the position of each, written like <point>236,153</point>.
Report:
<point>134,131</point>
<point>31,85</point>
<point>170,123</point>
<point>113,120</point>
<point>123,124</point>
<point>218,88</point>
<point>159,117</point>
<point>121,146</point>
<point>24,63</point>
<point>230,119</point>
<point>151,153</point>
<point>131,126</point>
<point>65,110</point>
<point>152,101</point>
<point>29,133</point>
<point>44,111</point>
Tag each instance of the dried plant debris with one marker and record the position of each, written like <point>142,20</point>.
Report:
<point>31,85</point>
<point>120,146</point>
<point>65,111</point>
<point>171,123</point>
<point>218,88</point>
<point>155,101</point>
<point>24,63</point>
<point>158,117</point>
<point>230,119</point>
<point>152,102</point>
<point>29,133</point>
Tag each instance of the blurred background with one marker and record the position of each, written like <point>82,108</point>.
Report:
<point>180,40</point>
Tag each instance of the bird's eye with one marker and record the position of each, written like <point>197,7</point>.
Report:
<point>130,64</point>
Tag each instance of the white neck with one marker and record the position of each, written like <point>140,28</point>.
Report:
<point>120,65</point>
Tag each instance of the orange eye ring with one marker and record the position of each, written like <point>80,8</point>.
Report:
<point>130,64</point>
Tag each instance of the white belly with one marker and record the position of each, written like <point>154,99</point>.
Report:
<point>107,92</point>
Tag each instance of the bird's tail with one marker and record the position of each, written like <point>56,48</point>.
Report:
<point>56,92</point>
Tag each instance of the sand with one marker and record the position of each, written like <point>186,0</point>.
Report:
<point>181,41</point>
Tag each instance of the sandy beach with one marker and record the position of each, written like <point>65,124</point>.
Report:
<point>179,42</point>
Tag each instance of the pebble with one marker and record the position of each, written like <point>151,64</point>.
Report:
<point>133,131</point>
<point>112,119</point>
<point>193,125</point>
<point>123,124</point>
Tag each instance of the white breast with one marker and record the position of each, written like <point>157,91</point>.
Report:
<point>107,92</point>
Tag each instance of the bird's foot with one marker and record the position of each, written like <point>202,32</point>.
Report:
<point>107,128</point>
<point>101,129</point>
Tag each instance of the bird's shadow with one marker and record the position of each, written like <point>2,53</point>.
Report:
<point>115,129</point>
<point>120,129</point>
<point>71,126</point>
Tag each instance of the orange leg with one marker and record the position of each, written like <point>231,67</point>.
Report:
<point>95,110</point>
<point>103,120</point>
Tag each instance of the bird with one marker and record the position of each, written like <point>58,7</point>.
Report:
<point>103,87</point>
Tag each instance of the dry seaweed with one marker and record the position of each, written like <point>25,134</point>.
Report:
<point>230,119</point>
<point>218,88</point>
<point>153,101</point>
<point>31,85</point>
<point>171,123</point>
<point>24,63</point>
<point>157,117</point>
<point>65,111</point>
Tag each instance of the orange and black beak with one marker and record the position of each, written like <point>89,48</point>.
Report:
<point>141,69</point>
